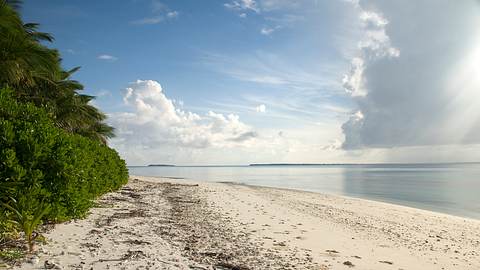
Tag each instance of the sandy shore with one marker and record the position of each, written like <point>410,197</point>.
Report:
<point>157,223</point>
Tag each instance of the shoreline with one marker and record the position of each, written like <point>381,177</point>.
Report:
<point>160,223</point>
<point>346,197</point>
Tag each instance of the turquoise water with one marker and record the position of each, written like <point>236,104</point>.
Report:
<point>446,188</point>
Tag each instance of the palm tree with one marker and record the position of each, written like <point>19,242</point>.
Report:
<point>35,72</point>
<point>23,58</point>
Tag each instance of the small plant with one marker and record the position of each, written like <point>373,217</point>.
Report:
<point>27,216</point>
<point>47,173</point>
<point>11,254</point>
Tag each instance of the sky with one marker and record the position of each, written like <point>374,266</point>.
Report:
<point>277,81</point>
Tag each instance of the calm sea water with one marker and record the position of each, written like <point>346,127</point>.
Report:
<point>446,188</point>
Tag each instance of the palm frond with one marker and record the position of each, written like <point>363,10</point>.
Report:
<point>31,30</point>
<point>15,4</point>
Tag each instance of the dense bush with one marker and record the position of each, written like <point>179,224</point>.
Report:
<point>53,155</point>
<point>43,167</point>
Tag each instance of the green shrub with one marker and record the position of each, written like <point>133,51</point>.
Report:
<point>41,163</point>
<point>10,255</point>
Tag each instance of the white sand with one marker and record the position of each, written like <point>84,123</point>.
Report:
<point>154,225</point>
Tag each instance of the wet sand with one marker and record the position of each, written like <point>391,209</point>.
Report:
<point>159,223</point>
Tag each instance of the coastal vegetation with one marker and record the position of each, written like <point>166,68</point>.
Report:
<point>54,158</point>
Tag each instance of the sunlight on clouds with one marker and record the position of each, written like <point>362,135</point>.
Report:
<point>415,78</point>
<point>154,120</point>
<point>464,88</point>
<point>374,45</point>
<point>153,128</point>
<point>410,85</point>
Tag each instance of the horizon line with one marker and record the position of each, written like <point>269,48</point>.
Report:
<point>307,164</point>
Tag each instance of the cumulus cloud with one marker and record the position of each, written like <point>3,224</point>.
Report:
<point>374,46</point>
<point>107,57</point>
<point>154,121</point>
<point>415,78</point>
<point>153,128</point>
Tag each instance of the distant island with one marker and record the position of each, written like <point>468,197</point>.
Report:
<point>360,164</point>
<point>160,165</point>
<point>304,164</point>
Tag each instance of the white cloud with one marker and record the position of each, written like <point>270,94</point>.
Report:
<point>172,14</point>
<point>267,31</point>
<point>153,121</point>
<point>271,69</point>
<point>352,83</point>
<point>374,45</point>
<point>153,129</point>
<point>261,108</point>
<point>107,57</point>
<point>161,13</point>
<point>267,10</point>
<point>373,18</point>
<point>412,78</point>
<point>259,6</point>
<point>243,5</point>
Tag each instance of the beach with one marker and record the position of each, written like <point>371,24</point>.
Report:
<point>162,223</point>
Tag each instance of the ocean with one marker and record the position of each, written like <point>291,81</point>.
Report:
<point>446,188</point>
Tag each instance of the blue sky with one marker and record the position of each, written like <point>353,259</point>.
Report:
<point>241,81</point>
<point>186,53</point>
